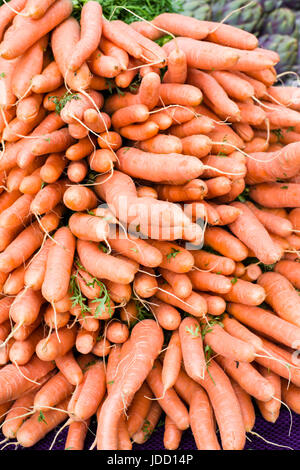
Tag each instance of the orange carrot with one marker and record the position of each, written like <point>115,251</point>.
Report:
<point>202,422</point>
<point>37,11</point>
<point>213,263</point>
<point>81,149</point>
<point>117,332</point>
<point>48,197</point>
<point>228,346</point>
<point>225,243</point>
<point>92,391</point>
<point>76,435</point>
<point>290,395</point>
<point>177,67</point>
<point>234,85</point>
<point>226,407</point>
<point>5,304</point>
<point>141,338</point>
<point>53,392</point>
<point>248,378</point>
<point>276,286</point>
<point>31,184</point>
<point>210,282</point>
<point>28,108</point>
<point>14,282</point>
<point>246,405</point>
<point>51,348</point>
<point>140,132</point>
<point>139,409</point>
<point>197,145</point>
<point>168,400</point>
<point>237,187</point>
<point>7,13</point>
<point>119,293</point>
<point>229,166</point>
<point>284,165</point>
<point>245,292</point>
<point>91,28</point>
<point>69,367</point>
<point>110,140</point>
<point>112,50</point>
<point>195,304</point>
<point>35,271</point>
<point>104,65</point>
<point>24,331</point>
<point>136,163</point>
<point>280,361</point>
<point>198,125</point>
<point>239,331</point>
<point>290,270</point>
<point>119,37</point>
<point>56,319</point>
<point>246,132</point>
<point>180,283</point>
<point>175,258</point>
<point>276,194</point>
<point>55,287</point>
<point>26,306</point>
<point>112,365</point>
<point>102,348</point>
<point>79,198</point>
<point>28,66</point>
<point>17,128</point>
<point>194,190</point>
<point>103,265</point>
<point>217,187</point>
<point>85,341</point>
<point>172,435</point>
<point>53,168</point>
<point>17,213</point>
<point>270,410</point>
<point>204,55</point>
<point>96,121</point>
<point>167,316</point>
<point>63,50</point>
<point>22,351</point>
<point>14,419</point>
<point>172,362</point>
<point>214,92</point>
<point>51,123</point>
<point>230,36</point>
<point>88,227</point>
<point>21,248</point>
<point>180,94</point>
<point>33,430</point>
<point>273,223</point>
<point>150,90</point>
<point>145,284</point>
<point>136,249</point>
<point>192,348</point>
<point>247,227</point>
<point>14,384</point>
<point>149,424</point>
<point>129,115</point>
<point>29,30</point>
<point>49,80</point>
<point>77,171</point>
<point>161,144</point>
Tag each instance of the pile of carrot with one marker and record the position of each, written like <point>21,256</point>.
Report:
<point>149,229</point>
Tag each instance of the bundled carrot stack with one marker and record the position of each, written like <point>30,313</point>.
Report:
<point>149,229</point>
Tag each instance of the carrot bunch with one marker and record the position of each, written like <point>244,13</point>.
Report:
<point>149,229</point>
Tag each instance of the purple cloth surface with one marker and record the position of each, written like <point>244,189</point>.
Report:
<point>277,433</point>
